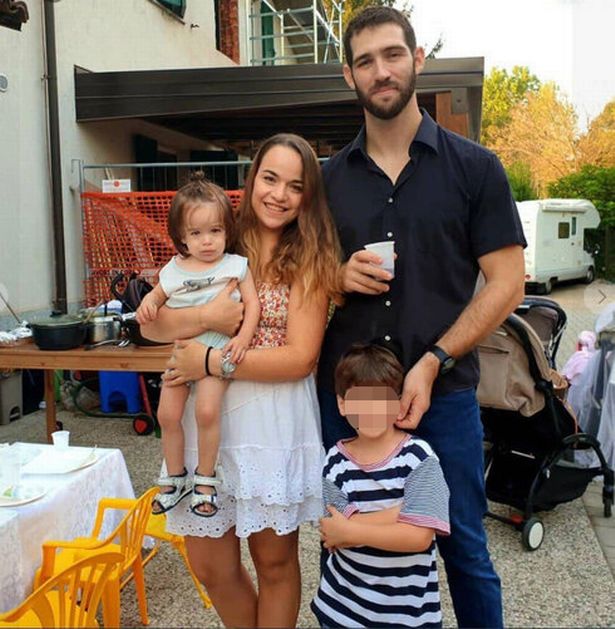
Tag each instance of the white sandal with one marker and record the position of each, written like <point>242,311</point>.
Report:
<point>163,501</point>
<point>198,499</point>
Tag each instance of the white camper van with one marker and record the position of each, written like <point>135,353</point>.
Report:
<point>555,234</point>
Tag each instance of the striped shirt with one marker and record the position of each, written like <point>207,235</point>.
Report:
<point>369,587</point>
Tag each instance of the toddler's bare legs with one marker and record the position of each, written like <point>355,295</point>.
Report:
<point>170,412</point>
<point>209,394</point>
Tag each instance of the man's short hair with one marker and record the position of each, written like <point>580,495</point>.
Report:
<point>368,365</point>
<point>375,16</point>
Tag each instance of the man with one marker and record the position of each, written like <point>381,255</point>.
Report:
<point>446,203</point>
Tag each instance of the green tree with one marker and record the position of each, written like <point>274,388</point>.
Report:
<point>593,183</point>
<point>501,93</point>
<point>520,179</point>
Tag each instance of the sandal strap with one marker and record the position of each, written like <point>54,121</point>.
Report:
<point>198,499</point>
<point>206,481</point>
<point>170,499</point>
<point>173,481</point>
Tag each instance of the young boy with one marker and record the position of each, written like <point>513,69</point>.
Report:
<point>386,498</point>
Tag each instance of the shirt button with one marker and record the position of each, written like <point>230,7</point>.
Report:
<point>387,303</point>
<point>389,234</point>
<point>387,338</point>
<point>390,200</point>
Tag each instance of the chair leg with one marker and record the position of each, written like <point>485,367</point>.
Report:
<point>111,604</point>
<point>137,568</point>
<point>180,546</point>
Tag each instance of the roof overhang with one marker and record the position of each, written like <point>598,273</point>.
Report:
<point>243,104</point>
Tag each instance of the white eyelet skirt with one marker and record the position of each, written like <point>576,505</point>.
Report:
<point>271,457</point>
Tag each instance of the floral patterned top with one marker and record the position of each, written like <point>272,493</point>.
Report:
<point>271,330</point>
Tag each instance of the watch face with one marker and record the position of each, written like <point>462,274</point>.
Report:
<point>447,365</point>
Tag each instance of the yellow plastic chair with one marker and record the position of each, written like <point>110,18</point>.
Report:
<point>127,538</point>
<point>72,597</point>
<point>156,528</point>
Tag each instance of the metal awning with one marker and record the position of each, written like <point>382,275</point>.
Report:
<point>244,104</point>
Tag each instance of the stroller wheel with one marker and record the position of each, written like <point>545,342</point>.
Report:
<point>532,534</point>
<point>143,425</point>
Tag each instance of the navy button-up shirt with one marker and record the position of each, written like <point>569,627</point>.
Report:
<point>450,205</point>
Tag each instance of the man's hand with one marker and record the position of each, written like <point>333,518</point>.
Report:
<point>361,275</point>
<point>416,392</point>
<point>336,531</point>
<point>222,313</point>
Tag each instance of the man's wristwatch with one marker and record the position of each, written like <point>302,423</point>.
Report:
<point>227,367</point>
<point>447,362</point>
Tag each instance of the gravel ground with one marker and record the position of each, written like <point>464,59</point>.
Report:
<point>566,583</point>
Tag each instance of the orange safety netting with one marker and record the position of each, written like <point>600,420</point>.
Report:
<point>126,232</point>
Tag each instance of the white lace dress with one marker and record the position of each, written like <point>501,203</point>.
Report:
<point>271,453</point>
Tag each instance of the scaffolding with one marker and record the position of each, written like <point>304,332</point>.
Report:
<point>283,32</point>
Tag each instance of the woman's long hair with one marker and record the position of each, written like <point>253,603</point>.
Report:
<point>309,251</point>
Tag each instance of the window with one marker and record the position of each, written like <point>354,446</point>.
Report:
<point>267,32</point>
<point>563,230</point>
<point>154,178</point>
<point>574,226</point>
<point>175,6</point>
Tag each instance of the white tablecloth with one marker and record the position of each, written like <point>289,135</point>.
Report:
<point>67,510</point>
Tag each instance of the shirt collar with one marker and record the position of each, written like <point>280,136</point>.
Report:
<point>427,134</point>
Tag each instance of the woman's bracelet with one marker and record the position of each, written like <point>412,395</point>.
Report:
<point>207,372</point>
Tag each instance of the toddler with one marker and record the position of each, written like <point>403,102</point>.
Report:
<point>200,224</point>
<point>386,498</point>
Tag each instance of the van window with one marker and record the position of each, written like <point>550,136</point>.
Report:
<point>573,229</point>
<point>563,230</point>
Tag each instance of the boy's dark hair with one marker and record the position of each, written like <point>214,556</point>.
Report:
<point>197,191</point>
<point>368,365</point>
<point>376,16</point>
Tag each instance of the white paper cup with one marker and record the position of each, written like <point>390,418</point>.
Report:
<point>60,439</point>
<point>386,250</point>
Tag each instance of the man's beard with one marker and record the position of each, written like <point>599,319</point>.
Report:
<point>392,109</point>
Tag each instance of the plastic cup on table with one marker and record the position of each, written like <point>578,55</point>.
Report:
<point>60,439</point>
<point>386,251</point>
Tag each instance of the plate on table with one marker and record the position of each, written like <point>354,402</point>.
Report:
<point>55,461</point>
<point>22,495</point>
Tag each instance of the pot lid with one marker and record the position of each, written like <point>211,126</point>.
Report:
<point>58,321</point>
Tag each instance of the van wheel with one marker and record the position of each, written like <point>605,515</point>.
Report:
<point>546,288</point>
<point>590,275</point>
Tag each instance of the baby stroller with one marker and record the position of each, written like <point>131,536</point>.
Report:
<point>530,433</point>
<point>548,319</point>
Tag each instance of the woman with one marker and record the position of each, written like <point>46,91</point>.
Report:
<point>270,451</point>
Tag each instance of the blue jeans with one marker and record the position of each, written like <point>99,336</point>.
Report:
<point>453,428</point>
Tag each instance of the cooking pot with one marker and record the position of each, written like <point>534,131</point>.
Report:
<point>108,328</point>
<point>133,331</point>
<point>58,332</point>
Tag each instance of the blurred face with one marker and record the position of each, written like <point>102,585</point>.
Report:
<point>372,411</point>
<point>384,70</point>
<point>278,189</point>
<point>204,234</point>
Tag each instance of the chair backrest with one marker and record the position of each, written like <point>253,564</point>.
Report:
<point>130,531</point>
<point>56,603</point>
